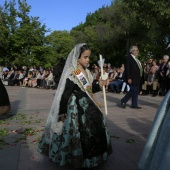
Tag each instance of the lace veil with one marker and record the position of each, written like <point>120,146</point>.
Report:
<point>70,65</point>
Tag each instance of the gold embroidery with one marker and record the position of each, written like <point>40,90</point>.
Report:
<point>77,72</point>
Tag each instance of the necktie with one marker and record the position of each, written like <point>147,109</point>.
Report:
<point>140,67</point>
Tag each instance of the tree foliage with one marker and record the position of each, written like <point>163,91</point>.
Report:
<point>109,31</point>
<point>155,17</point>
<point>21,34</point>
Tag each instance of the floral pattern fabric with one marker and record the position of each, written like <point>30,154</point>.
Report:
<point>85,141</point>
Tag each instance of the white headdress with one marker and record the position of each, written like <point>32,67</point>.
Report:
<point>70,65</point>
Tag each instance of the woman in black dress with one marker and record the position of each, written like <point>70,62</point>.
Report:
<point>4,100</point>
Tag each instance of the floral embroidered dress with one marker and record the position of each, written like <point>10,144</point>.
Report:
<point>85,141</point>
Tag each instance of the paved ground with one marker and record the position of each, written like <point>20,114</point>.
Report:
<point>22,130</point>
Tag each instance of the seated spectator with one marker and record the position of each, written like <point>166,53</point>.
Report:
<point>44,76</point>
<point>115,85</point>
<point>95,74</point>
<point>5,77</point>
<point>154,64</point>
<point>31,69</point>
<point>20,78</point>
<point>109,69</point>
<point>4,74</point>
<point>111,78</point>
<point>162,75</point>
<point>32,80</point>
<point>41,70</point>
<point>152,82</point>
<point>37,79</point>
<point>95,66</point>
<point>160,62</point>
<point>49,79</point>
<point>105,65</point>
<point>147,70</point>
<point>26,79</point>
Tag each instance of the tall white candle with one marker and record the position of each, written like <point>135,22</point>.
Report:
<point>103,88</point>
<point>101,65</point>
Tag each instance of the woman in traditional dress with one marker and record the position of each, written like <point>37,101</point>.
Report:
<point>4,99</point>
<point>84,140</point>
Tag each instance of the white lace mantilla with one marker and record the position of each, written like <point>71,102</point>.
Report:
<point>70,65</point>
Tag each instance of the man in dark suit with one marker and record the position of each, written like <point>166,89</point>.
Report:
<point>133,71</point>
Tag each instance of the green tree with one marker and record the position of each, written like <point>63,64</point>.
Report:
<point>155,16</point>
<point>60,43</point>
<point>24,34</point>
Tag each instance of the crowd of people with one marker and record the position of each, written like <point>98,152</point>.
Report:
<point>28,77</point>
<point>155,79</point>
